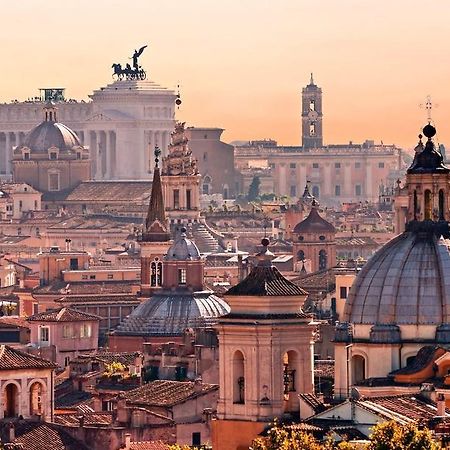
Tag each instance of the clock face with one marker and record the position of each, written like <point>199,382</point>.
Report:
<point>313,115</point>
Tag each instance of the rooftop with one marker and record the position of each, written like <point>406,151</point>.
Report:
<point>64,314</point>
<point>11,359</point>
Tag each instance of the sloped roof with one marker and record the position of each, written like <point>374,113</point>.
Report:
<point>64,314</point>
<point>314,223</point>
<point>42,436</point>
<point>266,281</point>
<point>167,393</point>
<point>111,191</point>
<point>149,445</point>
<point>11,358</point>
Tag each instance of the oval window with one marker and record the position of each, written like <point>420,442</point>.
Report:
<point>322,238</point>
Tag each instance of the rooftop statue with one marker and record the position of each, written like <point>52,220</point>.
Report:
<point>130,73</point>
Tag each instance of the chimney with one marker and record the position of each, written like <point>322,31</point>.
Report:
<point>440,404</point>
<point>198,385</point>
<point>11,432</point>
<point>127,441</point>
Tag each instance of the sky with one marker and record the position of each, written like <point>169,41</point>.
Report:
<point>241,64</point>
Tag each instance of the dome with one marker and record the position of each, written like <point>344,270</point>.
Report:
<point>314,223</point>
<point>405,282</point>
<point>183,249</point>
<point>170,313</point>
<point>51,134</point>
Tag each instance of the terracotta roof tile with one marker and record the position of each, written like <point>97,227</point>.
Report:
<point>266,281</point>
<point>111,191</point>
<point>167,393</point>
<point>11,358</point>
<point>94,418</point>
<point>314,223</point>
<point>63,315</point>
<point>42,436</point>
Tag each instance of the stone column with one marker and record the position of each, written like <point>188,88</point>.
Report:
<point>348,186</point>
<point>369,187</point>
<point>98,157</point>
<point>108,155</point>
<point>8,153</point>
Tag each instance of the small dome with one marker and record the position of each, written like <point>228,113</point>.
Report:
<point>183,249</point>
<point>51,134</point>
<point>170,313</point>
<point>405,282</point>
<point>314,223</point>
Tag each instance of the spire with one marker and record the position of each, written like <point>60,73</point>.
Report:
<point>311,81</point>
<point>156,223</point>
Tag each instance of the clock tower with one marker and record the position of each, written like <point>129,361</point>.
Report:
<point>312,136</point>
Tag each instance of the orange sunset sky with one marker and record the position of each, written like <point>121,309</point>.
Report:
<point>241,64</point>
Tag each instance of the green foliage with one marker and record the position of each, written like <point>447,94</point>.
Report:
<point>393,436</point>
<point>385,436</point>
<point>253,189</point>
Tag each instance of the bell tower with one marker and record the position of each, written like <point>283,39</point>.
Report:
<point>265,354</point>
<point>312,133</point>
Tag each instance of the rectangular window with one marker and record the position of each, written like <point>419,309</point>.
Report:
<point>381,165</point>
<point>85,330</point>
<point>84,277</point>
<point>53,181</point>
<point>358,190</point>
<point>181,276</point>
<point>45,334</point>
<point>292,165</point>
<point>26,156</point>
<point>176,199</point>
<point>312,129</point>
<point>73,263</point>
<point>312,105</point>
<point>293,191</point>
<point>337,165</point>
<point>92,277</point>
<point>315,165</point>
<point>337,190</point>
<point>196,439</point>
<point>343,291</point>
<point>67,331</point>
<point>357,165</point>
<point>110,276</point>
<point>53,155</point>
<point>188,199</point>
<point>35,308</point>
<point>20,205</point>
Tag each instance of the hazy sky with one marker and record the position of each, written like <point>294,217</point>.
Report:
<point>241,64</point>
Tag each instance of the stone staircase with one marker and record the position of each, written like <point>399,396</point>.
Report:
<point>203,238</point>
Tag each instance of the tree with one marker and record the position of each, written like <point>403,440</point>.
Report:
<point>394,436</point>
<point>253,189</point>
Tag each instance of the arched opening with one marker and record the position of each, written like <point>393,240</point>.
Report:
<point>316,191</point>
<point>415,204</point>
<point>225,192</point>
<point>358,368</point>
<point>322,260</point>
<point>300,255</point>
<point>11,400</point>
<point>410,360</point>
<point>156,273</point>
<point>206,186</point>
<point>290,362</point>
<point>441,205</point>
<point>36,395</point>
<point>238,378</point>
<point>428,206</point>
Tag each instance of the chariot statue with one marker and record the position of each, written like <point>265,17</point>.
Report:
<point>130,73</point>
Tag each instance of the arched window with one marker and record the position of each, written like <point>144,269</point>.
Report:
<point>428,206</point>
<point>322,260</point>
<point>11,400</point>
<point>36,394</point>
<point>156,273</point>
<point>290,362</point>
<point>238,378</point>
<point>316,191</point>
<point>441,205</point>
<point>358,369</point>
<point>300,255</point>
<point>206,187</point>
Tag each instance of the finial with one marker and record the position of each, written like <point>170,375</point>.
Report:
<point>265,242</point>
<point>178,99</point>
<point>183,231</point>
<point>314,203</point>
<point>157,155</point>
<point>312,79</point>
<point>429,131</point>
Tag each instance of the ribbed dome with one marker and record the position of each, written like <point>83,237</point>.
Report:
<point>51,134</point>
<point>314,223</point>
<point>406,282</point>
<point>183,249</point>
<point>171,313</point>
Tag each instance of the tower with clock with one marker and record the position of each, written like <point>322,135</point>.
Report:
<point>312,136</point>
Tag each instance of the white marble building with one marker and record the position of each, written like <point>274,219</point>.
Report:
<point>121,124</point>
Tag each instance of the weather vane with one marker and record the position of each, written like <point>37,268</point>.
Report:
<point>131,73</point>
